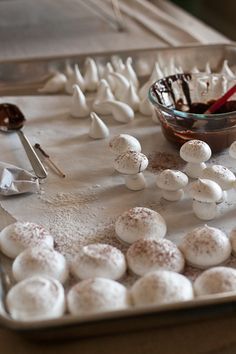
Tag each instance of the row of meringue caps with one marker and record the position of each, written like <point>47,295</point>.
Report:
<point>161,287</point>
<point>138,223</point>
<point>147,255</point>
<point>36,298</point>
<point>205,247</point>
<point>18,236</point>
<point>97,295</point>
<point>42,261</point>
<point>216,280</point>
<point>99,260</point>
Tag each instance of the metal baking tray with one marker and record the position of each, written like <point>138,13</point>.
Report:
<point>24,78</point>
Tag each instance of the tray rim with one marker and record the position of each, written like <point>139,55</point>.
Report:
<point>142,312</point>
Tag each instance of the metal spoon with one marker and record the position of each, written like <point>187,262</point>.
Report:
<point>12,120</point>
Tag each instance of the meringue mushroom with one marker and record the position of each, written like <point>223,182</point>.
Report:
<point>91,78</point>
<point>131,164</point>
<point>131,98</point>
<point>171,182</point>
<point>74,78</point>
<point>205,194</point>
<point>55,84</point>
<point>129,72</point>
<point>121,85</point>
<point>98,129</point>
<point>104,93</point>
<point>79,107</point>
<point>124,142</point>
<point>119,110</point>
<point>195,152</point>
<point>221,175</point>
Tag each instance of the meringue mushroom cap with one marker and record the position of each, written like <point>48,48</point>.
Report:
<point>205,247</point>
<point>131,162</point>
<point>123,142</point>
<point>215,280</point>
<point>138,223</point>
<point>205,190</point>
<point>219,174</point>
<point>232,150</point>
<point>161,287</point>
<point>195,151</point>
<point>232,238</point>
<point>171,180</point>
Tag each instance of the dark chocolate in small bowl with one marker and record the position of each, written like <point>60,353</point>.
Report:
<point>180,102</point>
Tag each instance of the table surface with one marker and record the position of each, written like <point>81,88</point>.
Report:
<point>42,29</point>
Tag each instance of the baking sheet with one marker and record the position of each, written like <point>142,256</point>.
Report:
<point>83,207</point>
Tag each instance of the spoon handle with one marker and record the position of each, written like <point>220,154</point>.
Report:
<point>37,165</point>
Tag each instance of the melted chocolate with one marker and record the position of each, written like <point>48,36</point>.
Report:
<point>11,118</point>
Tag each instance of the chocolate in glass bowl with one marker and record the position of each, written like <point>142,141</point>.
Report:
<point>180,102</point>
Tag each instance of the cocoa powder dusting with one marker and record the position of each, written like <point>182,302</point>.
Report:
<point>159,161</point>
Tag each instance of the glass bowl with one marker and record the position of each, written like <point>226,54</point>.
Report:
<point>180,102</point>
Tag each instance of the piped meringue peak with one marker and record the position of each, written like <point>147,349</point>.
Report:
<point>98,129</point>
<point>79,107</point>
<point>55,84</point>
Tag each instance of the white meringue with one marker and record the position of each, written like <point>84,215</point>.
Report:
<point>55,84</point>
<point>217,280</point>
<point>120,111</point>
<point>195,151</point>
<point>99,260</point>
<point>232,150</point>
<point>104,93</point>
<point>118,64</point>
<point>226,70</point>
<point>171,182</point>
<point>123,142</point>
<point>91,78</point>
<point>161,287</point>
<point>131,162</point>
<point>106,75</point>
<point>147,255</point>
<point>135,182</point>
<point>204,211</point>
<point>98,129</point>
<point>74,78</point>
<point>129,72</point>
<point>79,107</point>
<point>40,261</point>
<point>97,295</point>
<point>131,98</point>
<point>219,174</point>
<point>36,298</point>
<point>145,107</point>
<point>121,85</point>
<point>195,70</point>
<point>205,190</point>
<point>155,75</point>
<point>194,170</point>
<point>138,223</point>
<point>207,68</point>
<point>205,247</point>
<point>16,237</point>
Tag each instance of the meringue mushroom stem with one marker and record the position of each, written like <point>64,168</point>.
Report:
<point>221,101</point>
<point>135,182</point>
